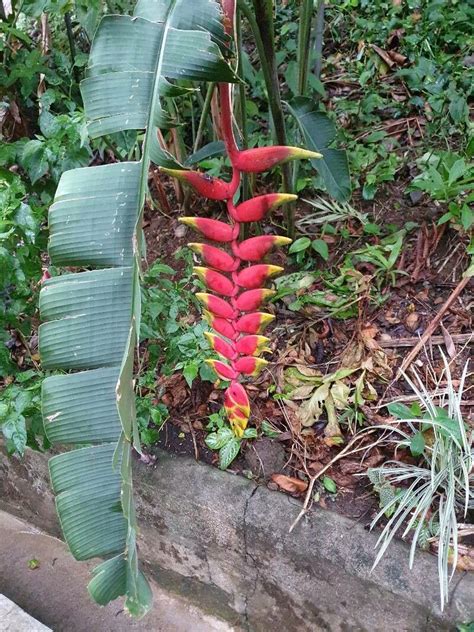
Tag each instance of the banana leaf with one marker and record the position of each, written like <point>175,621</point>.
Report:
<point>91,314</point>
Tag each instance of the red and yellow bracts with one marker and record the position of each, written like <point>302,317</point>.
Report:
<point>230,272</point>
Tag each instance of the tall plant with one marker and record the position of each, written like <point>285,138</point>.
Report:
<point>236,318</point>
<point>316,129</point>
<point>92,315</point>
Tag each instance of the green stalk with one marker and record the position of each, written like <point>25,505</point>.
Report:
<point>262,26</point>
<point>306,11</point>
<point>318,39</point>
<point>204,115</point>
<point>72,45</point>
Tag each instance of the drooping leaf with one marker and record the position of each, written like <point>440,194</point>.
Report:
<point>92,318</point>
<point>319,133</point>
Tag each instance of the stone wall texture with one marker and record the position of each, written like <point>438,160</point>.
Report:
<point>222,542</point>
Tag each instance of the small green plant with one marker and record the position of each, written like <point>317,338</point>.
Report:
<point>20,413</point>
<point>382,256</point>
<point>436,491</point>
<point>175,341</point>
<point>223,439</point>
<point>304,246</point>
<point>448,177</point>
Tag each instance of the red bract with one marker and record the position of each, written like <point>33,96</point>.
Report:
<point>255,209</point>
<point>253,323</point>
<point>214,257</point>
<point>265,158</point>
<point>211,228</point>
<point>249,365</point>
<point>255,276</point>
<point>224,371</point>
<point>215,281</point>
<point>222,347</point>
<point>256,248</point>
<point>222,326</point>
<point>252,345</point>
<point>216,305</point>
<point>252,299</point>
<point>241,343</point>
<point>205,185</point>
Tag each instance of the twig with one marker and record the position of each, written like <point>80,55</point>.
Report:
<point>436,340</point>
<point>314,478</point>
<point>433,325</point>
<point>193,435</point>
<point>28,350</point>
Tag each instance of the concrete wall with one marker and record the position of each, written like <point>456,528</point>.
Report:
<point>222,542</point>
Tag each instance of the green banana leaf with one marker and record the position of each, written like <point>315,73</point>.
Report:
<point>91,318</point>
<point>318,133</point>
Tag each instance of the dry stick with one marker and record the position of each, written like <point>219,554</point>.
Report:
<point>437,340</point>
<point>324,469</point>
<point>433,325</point>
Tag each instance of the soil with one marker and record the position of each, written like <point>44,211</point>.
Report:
<point>432,263</point>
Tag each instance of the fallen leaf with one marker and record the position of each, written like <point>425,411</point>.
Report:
<point>448,341</point>
<point>411,321</point>
<point>383,55</point>
<point>289,483</point>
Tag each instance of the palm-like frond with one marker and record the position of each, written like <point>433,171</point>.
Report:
<point>91,318</point>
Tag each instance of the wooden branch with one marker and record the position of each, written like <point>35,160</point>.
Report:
<point>437,340</point>
<point>433,325</point>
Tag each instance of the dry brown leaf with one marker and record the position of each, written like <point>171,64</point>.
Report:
<point>289,483</point>
<point>383,55</point>
<point>448,341</point>
<point>411,321</point>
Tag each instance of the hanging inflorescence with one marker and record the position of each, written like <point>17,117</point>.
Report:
<point>227,273</point>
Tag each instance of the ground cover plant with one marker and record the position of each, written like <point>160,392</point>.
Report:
<point>377,277</point>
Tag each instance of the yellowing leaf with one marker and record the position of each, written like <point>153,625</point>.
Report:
<point>340,394</point>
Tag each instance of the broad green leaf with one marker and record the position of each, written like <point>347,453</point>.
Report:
<point>91,318</point>
<point>319,132</point>
<point>211,150</point>
<point>321,247</point>
<point>417,444</point>
<point>400,411</point>
<point>300,244</point>
<point>33,160</point>
<point>228,452</point>
<point>216,440</point>
<point>14,431</point>
<point>329,484</point>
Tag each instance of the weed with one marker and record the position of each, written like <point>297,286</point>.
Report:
<point>437,490</point>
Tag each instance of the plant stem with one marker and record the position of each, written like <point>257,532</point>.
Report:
<point>264,32</point>
<point>306,11</point>
<point>242,112</point>
<point>318,39</point>
<point>204,114</point>
<point>72,45</point>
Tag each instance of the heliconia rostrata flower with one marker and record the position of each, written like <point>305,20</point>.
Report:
<point>231,306</point>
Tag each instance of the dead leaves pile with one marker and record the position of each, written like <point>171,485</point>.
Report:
<point>314,396</point>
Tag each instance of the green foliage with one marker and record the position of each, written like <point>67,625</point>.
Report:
<point>448,177</point>
<point>440,483</point>
<point>175,342</point>
<point>223,439</point>
<point>20,413</point>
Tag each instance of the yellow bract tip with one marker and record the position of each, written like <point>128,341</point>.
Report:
<point>196,247</point>
<point>299,152</point>
<point>283,198</point>
<point>273,270</point>
<point>282,241</point>
<point>189,221</point>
